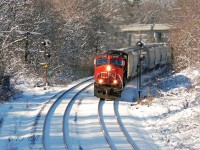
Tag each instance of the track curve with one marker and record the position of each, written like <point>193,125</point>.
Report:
<point>123,129</point>
<point>65,129</point>
<point>103,126</point>
<point>46,127</point>
<point>112,127</point>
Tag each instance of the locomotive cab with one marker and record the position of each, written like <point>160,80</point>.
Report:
<point>110,74</point>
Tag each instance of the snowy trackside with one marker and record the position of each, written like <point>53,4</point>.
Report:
<point>20,116</point>
<point>169,118</point>
<point>173,117</point>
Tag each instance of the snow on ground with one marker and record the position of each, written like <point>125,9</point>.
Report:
<point>173,117</point>
<point>19,116</point>
<point>170,114</point>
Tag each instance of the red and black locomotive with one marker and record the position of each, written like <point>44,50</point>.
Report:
<point>114,67</point>
<point>110,74</point>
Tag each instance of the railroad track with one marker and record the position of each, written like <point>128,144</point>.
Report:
<point>123,129</point>
<point>56,132</point>
<point>54,125</point>
<point>108,130</point>
<point>66,132</point>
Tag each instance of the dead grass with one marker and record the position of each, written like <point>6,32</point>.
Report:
<point>145,101</point>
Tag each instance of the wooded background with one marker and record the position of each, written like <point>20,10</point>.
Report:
<point>79,29</point>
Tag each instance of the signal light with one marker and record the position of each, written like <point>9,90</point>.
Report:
<point>47,55</point>
<point>46,43</point>
<point>108,68</point>
<point>140,43</point>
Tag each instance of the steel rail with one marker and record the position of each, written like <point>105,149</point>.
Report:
<point>52,109</point>
<point>65,128</point>
<point>123,129</point>
<point>103,127</point>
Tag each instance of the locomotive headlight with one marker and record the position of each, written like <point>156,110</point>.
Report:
<point>100,81</point>
<point>115,81</point>
<point>108,68</point>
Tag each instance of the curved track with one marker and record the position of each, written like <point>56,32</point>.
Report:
<point>67,140</point>
<point>51,117</point>
<point>123,129</point>
<point>103,126</point>
<point>128,143</point>
<point>56,132</point>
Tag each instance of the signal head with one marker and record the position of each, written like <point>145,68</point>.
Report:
<point>43,43</point>
<point>46,43</point>
<point>140,43</point>
<point>47,55</point>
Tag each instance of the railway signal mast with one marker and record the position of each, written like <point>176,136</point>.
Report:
<point>139,68</point>
<point>141,57</point>
<point>47,55</point>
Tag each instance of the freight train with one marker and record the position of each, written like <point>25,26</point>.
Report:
<point>113,68</point>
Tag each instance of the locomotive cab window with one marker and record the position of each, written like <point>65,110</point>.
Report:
<point>116,62</point>
<point>100,62</point>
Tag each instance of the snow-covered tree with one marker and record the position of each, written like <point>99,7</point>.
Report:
<point>24,24</point>
<point>86,28</point>
<point>185,39</point>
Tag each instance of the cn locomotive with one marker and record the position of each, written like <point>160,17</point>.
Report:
<point>113,68</point>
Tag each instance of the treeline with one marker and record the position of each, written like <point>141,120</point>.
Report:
<point>78,30</point>
<point>185,40</point>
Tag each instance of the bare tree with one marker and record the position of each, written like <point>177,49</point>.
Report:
<point>185,39</point>
<point>86,29</point>
<point>24,25</point>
